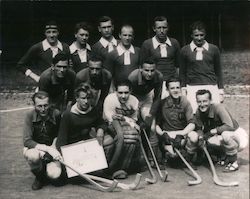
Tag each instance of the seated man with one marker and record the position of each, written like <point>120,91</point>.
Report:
<point>83,121</point>
<point>98,77</point>
<point>122,107</point>
<point>40,129</point>
<point>58,81</point>
<point>175,122</point>
<point>217,126</point>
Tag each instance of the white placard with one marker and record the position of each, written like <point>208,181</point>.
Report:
<point>85,156</point>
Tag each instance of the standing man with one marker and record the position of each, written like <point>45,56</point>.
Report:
<point>84,121</point>
<point>107,42</point>
<point>80,49</point>
<point>125,58</point>
<point>200,66</point>
<point>58,81</point>
<point>39,57</point>
<point>163,49</point>
<point>123,107</point>
<point>147,87</point>
<point>219,129</point>
<point>98,78</point>
<point>40,130</point>
<point>175,121</point>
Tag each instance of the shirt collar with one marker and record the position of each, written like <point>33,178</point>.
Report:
<point>156,43</point>
<point>193,46</point>
<point>73,48</point>
<point>105,42</point>
<point>37,118</point>
<point>46,45</point>
<point>121,49</point>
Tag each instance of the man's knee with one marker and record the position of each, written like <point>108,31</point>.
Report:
<point>54,170</point>
<point>227,136</point>
<point>32,155</point>
<point>193,136</point>
<point>107,140</point>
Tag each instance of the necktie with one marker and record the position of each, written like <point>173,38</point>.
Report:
<point>163,49</point>
<point>82,54</point>
<point>199,55</point>
<point>110,47</point>
<point>127,58</point>
<point>54,51</point>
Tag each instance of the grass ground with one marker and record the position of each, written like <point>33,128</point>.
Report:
<point>16,179</point>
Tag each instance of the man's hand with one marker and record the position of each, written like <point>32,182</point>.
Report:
<point>118,117</point>
<point>100,136</point>
<point>166,138</point>
<point>213,131</point>
<point>54,153</point>
<point>177,141</point>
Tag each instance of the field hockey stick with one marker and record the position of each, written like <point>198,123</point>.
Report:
<point>198,179</point>
<point>131,186</point>
<point>165,174</point>
<point>97,185</point>
<point>215,176</point>
<point>154,179</point>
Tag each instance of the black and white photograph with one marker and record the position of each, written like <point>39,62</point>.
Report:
<point>124,99</point>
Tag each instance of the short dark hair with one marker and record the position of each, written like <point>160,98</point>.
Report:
<point>148,60</point>
<point>172,79</point>
<point>82,25</point>
<point>51,25</point>
<point>104,19</point>
<point>39,95</point>
<point>123,83</point>
<point>197,25</point>
<point>159,18</point>
<point>95,58</point>
<point>61,56</point>
<point>204,91</point>
<point>84,87</point>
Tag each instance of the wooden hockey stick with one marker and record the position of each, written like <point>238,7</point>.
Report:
<point>97,185</point>
<point>215,177</point>
<point>163,176</point>
<point>154,179</point>
<point>198,179</point>
<point>131,186</point>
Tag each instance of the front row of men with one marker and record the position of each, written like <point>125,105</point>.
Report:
<point>45,130</point>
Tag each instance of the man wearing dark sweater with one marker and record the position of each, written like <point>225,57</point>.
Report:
<point>164,50</point>
<point>80,49</point>
<point>58,81</point>
<point>200,66</point>
<point>39,57</point>
<point>125,58</point>
<point>107,42</point>
<point>84,121</point>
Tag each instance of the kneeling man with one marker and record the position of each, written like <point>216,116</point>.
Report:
<point>40,130</point>
<point>120,110</point>
<point>220,129</point>
<point>175,122</point>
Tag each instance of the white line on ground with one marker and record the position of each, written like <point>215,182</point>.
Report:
<point>16,109</point>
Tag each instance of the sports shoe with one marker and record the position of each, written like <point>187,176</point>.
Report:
<point>231,167</point>
<point>36,185</point>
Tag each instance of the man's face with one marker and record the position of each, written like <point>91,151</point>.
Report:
<point>123,93</point>
<point>126,36</point>
<point>198,37</point>
<point>42,106</point>
<point>203,102</point>
<point>161,29</point>
<point>60,68</point>
<point>148,71</point>
<point>174,89</point>
<point>95,69</point>
<point>52,36</point>
<point>106,29</point>
<point>82,37</point>
<point>83,101</point>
